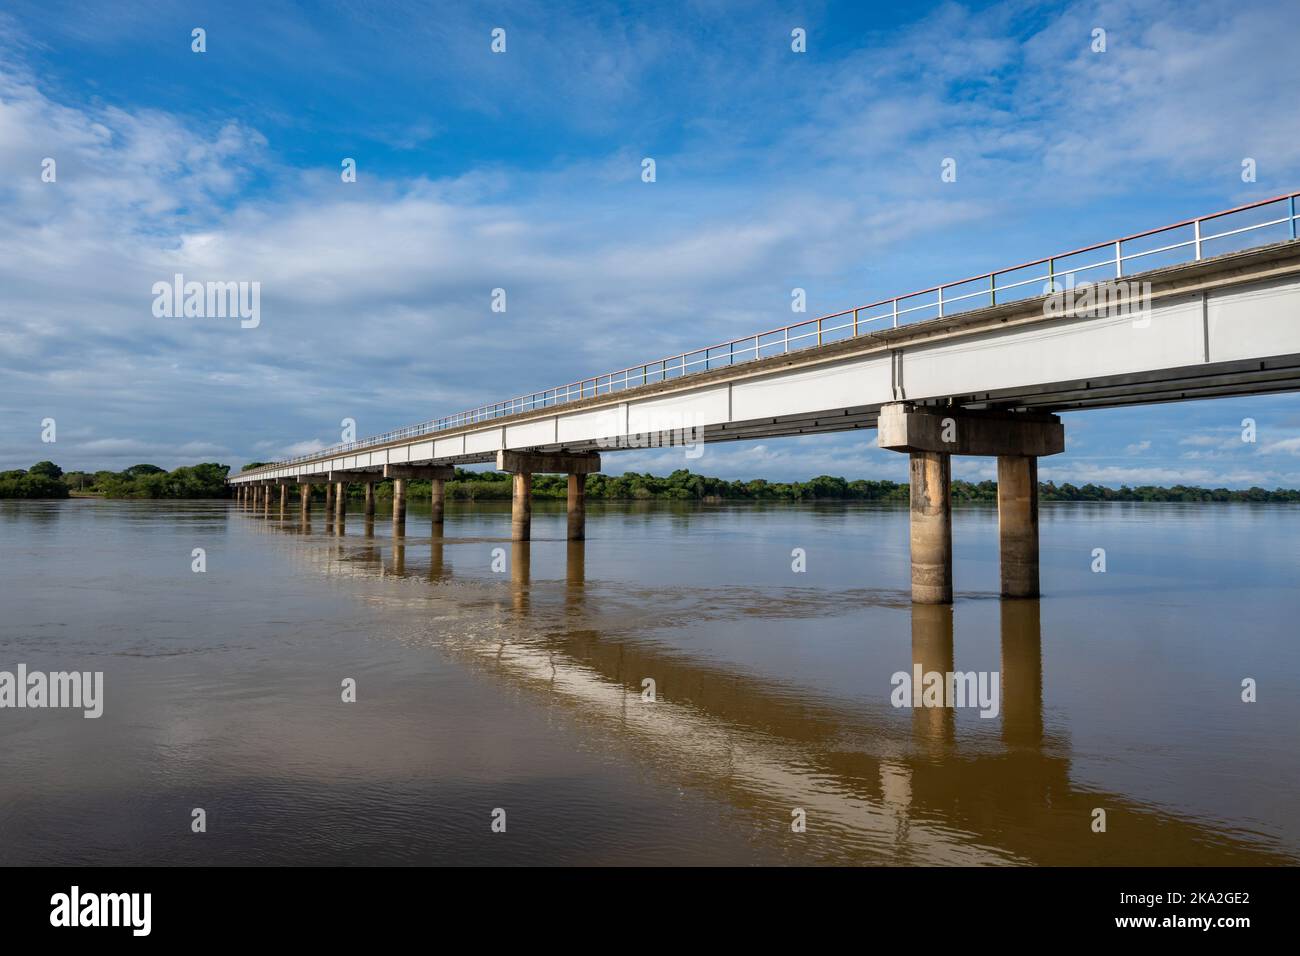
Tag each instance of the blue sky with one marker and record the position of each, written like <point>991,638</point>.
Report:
<point>522,171</point>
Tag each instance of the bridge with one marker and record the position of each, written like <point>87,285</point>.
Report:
<point>1203,308</point>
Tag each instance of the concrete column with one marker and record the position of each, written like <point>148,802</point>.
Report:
<point>304,499</point>
<point>436,501</point>
<point>329,499</point>
<point>931,528</point>
<point>521,508</point>
<point>370,501</point>
<point>577,507</point>
<point>340,498</point>
<point>1018,524</point>
<point>399,507</point>
<point>284,499</point>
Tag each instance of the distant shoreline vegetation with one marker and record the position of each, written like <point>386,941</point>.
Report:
<point>47,480</point>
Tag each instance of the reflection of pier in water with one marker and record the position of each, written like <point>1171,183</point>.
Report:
<point>876,790</point>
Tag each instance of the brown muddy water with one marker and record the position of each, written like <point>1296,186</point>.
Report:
<point>521,689</point>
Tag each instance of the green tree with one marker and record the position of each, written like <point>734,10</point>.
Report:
<point>47,469</point>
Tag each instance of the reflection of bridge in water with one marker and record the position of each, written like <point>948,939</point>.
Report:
<point>876,789</point>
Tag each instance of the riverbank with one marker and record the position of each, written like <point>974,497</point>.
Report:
<point>208,480</point>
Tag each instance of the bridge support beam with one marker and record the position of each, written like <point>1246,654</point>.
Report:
<point>284,498</point>
<point>420,471</point>
<point>931,436</point>
<point>329,500</point>
<point>399,507</point>
<point>370,501</point>
<point>523,465</point>
<point>1018,525</point>
<point>304,499</point>
<point>340,499</point>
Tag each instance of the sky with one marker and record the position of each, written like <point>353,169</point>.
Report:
<point>522,171</point>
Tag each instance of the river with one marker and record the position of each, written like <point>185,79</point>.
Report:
<point>506,684</point>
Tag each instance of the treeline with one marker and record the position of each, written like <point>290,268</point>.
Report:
<point>684,485</point>
<point>47,480</point>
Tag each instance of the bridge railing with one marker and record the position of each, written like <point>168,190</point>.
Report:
<point>1255,224</point>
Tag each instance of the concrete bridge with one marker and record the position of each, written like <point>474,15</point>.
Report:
<point>1205,308</point>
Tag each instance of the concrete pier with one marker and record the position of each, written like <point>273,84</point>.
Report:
<point>437,504</point>
<point>1018,525</point>
<point>521,507</point>
<point>523,465</point>
<point>370,501</point>
<point>931,524</point>
<point>400,475</point>
<point>577,507</point>
<point>329,499</point>
<point>340,499</point>
<point>399,507</point>
<point>284,498</point>
<point>931,435</point>
<point>304,499</point>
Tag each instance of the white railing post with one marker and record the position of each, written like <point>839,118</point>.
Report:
<point>895,313</point>
<point>1119,261</point>
<point>1196,227</point>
